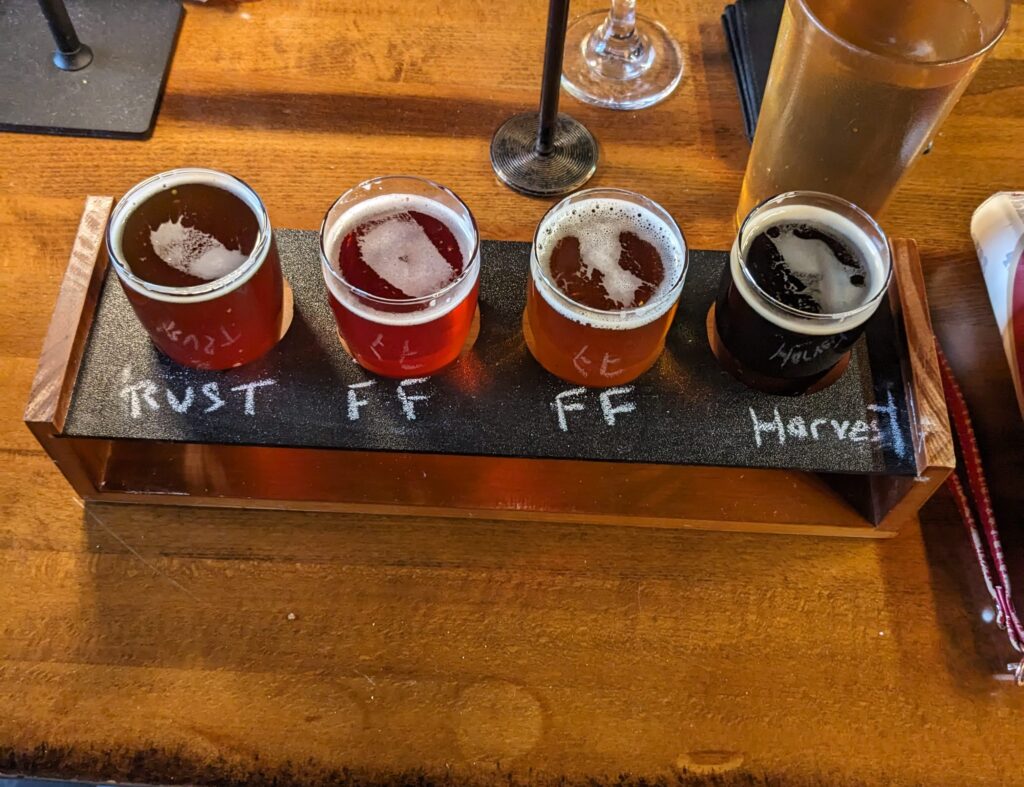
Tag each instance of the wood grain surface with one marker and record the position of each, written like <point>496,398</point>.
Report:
<point>220,646</point>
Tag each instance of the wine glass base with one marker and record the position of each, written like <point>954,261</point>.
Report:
<point>521,167</point>
<point>615,82</point>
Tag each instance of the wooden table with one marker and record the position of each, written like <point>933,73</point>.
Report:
<point>175,644</point>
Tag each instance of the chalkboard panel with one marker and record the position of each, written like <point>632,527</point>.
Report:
<point>495,401</point>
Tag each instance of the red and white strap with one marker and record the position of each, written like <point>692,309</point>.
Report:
<point>975,498</point>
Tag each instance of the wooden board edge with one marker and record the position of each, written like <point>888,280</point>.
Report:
<point>912,493</point>
<point>72,317</point>
<point>499,514</point>
<point>933,438</point>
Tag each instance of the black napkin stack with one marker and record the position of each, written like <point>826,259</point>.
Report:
<point>751,27</point>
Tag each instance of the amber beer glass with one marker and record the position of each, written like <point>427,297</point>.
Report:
<point>858,88</point>
<point>806,272</point>
<point>401,259</point>
<point>606,271</point>
<point>194,251</point>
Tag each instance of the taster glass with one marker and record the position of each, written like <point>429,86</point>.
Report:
<point>401,259</point>
<point>195,255</point>
<point>603,330</point>
<point>806,272</point>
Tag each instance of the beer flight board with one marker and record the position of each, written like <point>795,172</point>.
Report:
<point>495,401</point>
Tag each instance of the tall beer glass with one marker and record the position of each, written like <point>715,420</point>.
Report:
<point>857,89</point>
<point>606,271</point>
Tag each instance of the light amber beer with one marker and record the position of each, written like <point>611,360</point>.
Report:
<point>857,90</point>
<point>606,271</point>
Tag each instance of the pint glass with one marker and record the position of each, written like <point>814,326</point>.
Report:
<point>857,89</point>
<point>805,273</point>
<point>401,259</point>
<point>606,271</point>
<point>195,255</point>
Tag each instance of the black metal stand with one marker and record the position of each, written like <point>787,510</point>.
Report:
<point>546,154</point>
<point>71,54</point>
<point>109,88</point>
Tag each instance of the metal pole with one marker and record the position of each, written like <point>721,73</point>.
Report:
<point>71,54</point>
<point>551,85</point>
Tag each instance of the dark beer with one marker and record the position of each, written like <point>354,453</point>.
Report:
<point>400,257</point>
<point>195,256</point>
<point>607,270</point>
<point>806,272</point>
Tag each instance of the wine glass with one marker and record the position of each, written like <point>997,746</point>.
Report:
<point>620,60</point>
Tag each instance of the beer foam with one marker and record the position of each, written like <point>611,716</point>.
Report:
<point>399,251</point>
<point>193,251</point>
<point>825,278</point>
<point>393,224</point>
<point>597,223</point>
<point>141,192</point>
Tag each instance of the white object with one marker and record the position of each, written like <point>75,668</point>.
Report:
<point>998,231</point>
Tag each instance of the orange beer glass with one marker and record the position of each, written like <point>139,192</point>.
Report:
<point>606,271</point>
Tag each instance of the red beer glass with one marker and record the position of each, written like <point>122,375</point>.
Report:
<point>195,254</point>
<point>401,259</point>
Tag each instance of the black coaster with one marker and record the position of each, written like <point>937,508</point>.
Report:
<point>751,27</point>
<point>116,95</point>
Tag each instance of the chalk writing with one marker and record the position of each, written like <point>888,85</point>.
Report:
<point>408,400</point>
<point>567,402</point>
<point>803,352</point>
<point>250,393</point>
<point>881,427</point>
<point>405,355</point>
<point>212,392</point>
<point>583,364</point>
<point>378,342</point>
<point>180,405</point>
<point>209,343</point>
<point>354,402</point>
<point>609,410</point>
<point>889,410</point>
<point>562,407</point>
<point>137,393</point>
<point>142,396</point>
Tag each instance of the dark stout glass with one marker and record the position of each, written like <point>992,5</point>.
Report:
<point>806,272</point>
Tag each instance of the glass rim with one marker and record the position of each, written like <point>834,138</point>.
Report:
<point>618,314</point>
<point>870,303</point>
<point>472,264</point>
<point>859,50</point>
<point>194,291</point>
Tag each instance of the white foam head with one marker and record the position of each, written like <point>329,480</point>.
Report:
<point>399,251</point>
<point>597,222</point>
<point>193,251</point>
<point>186,248</point>
<point>824,277</point>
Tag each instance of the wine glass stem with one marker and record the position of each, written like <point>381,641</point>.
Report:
<point>616,49</point>
<point>621,19</point>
